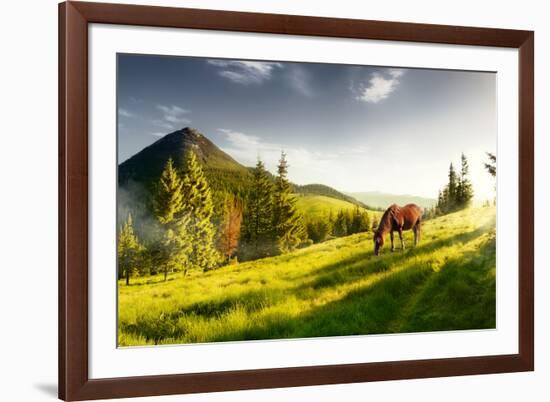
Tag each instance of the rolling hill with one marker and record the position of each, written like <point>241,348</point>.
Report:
<point>377,199</point>
<point>323,190</point>
<point>320,206</point>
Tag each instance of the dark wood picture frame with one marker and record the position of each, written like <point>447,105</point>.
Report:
<point>74,382</point>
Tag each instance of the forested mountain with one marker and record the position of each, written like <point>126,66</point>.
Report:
<point>221,170</point>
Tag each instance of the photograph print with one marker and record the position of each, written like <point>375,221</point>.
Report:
<point>279,200</point>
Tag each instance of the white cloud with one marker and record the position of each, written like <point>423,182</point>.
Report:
<point>245,72</point>
<point>174,114</point>
<point>380,86</point>
<point>247,149</point>
<point>306,165</point>
<point>158,134</point>
<point>163,124</point>
<point>396,72</point>
<point>172,117</point>
<point>125,112</point>
<point>241,140</point>
<point>300,80</point>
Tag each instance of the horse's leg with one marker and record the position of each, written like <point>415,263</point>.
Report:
<point>391,238</point>
<point>415,232</point>
<point>401,238</point>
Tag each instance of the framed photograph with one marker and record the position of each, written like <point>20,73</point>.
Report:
<point>258,200</point>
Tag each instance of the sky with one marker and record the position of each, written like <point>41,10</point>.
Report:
<point>354,128</point>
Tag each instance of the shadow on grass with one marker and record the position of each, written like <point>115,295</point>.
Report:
<point>365,263</point>
<point>250,302</point>
<point>166,326</point>
<point>461,295</point>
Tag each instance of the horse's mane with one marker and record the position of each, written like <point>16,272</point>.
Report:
<point>385,222</point>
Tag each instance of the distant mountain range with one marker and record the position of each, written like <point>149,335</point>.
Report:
<point>383,200</point>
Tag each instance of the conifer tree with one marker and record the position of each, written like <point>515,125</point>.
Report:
<point>465,189</point>
<point>287,221</point>
<point>360,222</point>
<point>318,230</point>
<point>340,227</point>
<point>198,206</point>
<point>168,200</point>
<point>129,250</point>
<point>451,187</point>
<point>172,248</point>
<point>458,192</point>
<point>440,201</point>
<point>258,222</point>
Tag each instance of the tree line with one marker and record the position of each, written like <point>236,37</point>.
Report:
<point>344,223</point>
<point>187,234</point>
<point>184,238</point>
<point>192,231</point>
<point>458,193</point>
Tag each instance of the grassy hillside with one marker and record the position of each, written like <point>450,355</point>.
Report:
<point>319,206</point>
<point>334,288</point>
<point>376,199</point>
<point>321,189</point>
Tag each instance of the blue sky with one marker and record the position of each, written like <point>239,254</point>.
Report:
<point>355,128</point>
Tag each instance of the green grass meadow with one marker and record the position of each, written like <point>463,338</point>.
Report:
<point>334,288</point>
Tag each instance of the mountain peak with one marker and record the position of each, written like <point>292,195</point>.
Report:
<point>147,165</point>
<point>190,131</point>
<point>185,132</point>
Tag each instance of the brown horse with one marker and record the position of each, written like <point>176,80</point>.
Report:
<point>398,218</point>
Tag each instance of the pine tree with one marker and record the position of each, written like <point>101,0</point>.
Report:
<point>168,200</point>
<point>129,250</point>
<point>452,188</point>
<point>360,222</point>
<point>287,221</point>
<point>259,234</point>
<point>172,248</point>
<point>465,189</point>
<point>198,206</point>
<point>440,201</point>
<point>230,226</point>
<point>318,230</point>
<point>458,192</point>
<point>340,227</point>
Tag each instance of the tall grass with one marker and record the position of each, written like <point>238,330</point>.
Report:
<point>334,288</point>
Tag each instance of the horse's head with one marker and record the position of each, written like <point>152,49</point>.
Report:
<point>378,242</point>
